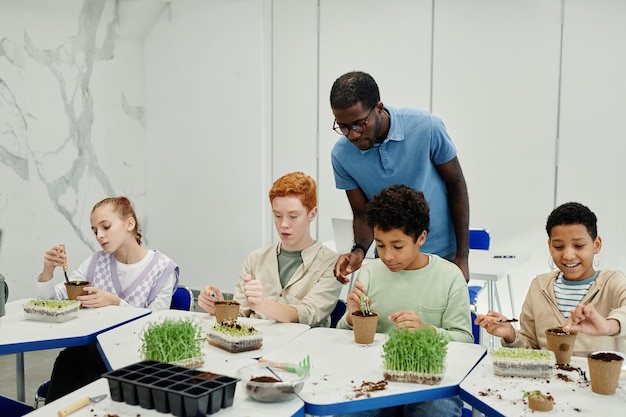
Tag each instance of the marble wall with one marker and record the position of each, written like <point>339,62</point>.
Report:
<point>72,128</point>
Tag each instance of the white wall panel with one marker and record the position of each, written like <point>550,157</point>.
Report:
<point>495,84</point>
<point>593,138</point>
<point>390,41</point>
<point>205,137</point>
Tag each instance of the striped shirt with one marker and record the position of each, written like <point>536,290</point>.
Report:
<point>569,293</point>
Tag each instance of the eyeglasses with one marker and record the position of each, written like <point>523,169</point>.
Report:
<point>358,127</point>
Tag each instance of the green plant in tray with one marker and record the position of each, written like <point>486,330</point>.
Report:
<point>420,351</point>
<point>172,340</point>
<point>521,353</point>
<point>235,328</point>
<point>51,303</point>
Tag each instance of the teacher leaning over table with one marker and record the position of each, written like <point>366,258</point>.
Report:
<point>381,146</point>
<point>123,273</point>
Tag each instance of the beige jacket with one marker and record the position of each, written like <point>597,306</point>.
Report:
<point>313,290</point>
<point>540,312</point>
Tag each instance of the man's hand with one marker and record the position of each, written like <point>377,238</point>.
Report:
<point>347,264</point>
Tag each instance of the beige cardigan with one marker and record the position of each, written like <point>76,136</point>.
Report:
<point>313,290</point>
<point>540,312</point>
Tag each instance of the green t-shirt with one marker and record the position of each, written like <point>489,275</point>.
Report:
<point>288,264</point>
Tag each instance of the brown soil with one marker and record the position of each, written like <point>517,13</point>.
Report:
<point>606,356</point>
<point>560,331</point>
<point>227,302</point>
<point>270,379</point>
<point>207,375</point>
<point>367,387</point>
<point>77,283</point>
<point>564,377</point>
<point>360,313</point>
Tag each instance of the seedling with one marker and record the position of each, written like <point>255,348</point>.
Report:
<point>421,351</point>
<point>365,306</point>
<point>172,340</point>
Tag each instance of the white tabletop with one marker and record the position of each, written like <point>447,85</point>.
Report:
<point>121,345</point>
<point>17,334</point>
<point>339,366</point>
<point>502,396</point>
<point>242,406</point>
<point>486,265</point>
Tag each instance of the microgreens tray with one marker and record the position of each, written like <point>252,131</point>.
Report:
<point>55,311</point>
<point>522,362</point>
<point>235,337</point>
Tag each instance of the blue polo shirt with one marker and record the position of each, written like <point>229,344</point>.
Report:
<point>416,143</point>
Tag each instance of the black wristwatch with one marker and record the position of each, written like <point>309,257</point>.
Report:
<point>359,246</point>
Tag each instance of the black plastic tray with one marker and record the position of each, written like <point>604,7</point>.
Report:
<point>171,389</point>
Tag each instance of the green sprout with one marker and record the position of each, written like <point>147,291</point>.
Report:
<point>521,353</point>
<point>50,303</point>
<point>536,394</point>
<point>172,340</point>
<point>235,328</point>
<point>365,306</point>
<point>421,351</point>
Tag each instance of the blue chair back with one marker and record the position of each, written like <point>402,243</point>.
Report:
<point>338,312</point>
<point>182,299</point>
<point>479,239</point>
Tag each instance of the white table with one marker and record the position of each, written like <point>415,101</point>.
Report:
<point>120,346</point>
<point>19,335</point>
<point>502,396</point>
<point>339,366</point>
<point>242,406</point>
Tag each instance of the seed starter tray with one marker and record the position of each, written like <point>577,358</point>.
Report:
<point>171,388</point>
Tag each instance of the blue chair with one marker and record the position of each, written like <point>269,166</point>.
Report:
<point>182,299</point>
<point>13,408</point>
<point>338,312</point>
<point>479,239</point>
<point>40,395</point>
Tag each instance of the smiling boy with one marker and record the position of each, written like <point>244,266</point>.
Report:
<point>575,295</point>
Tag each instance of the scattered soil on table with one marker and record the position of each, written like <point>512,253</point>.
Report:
<point>367,387</point>
<point>490,392</point>
<point>570,368</point>
<point>564,377</point>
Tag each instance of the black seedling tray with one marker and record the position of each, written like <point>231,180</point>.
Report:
<point>171,389</point>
